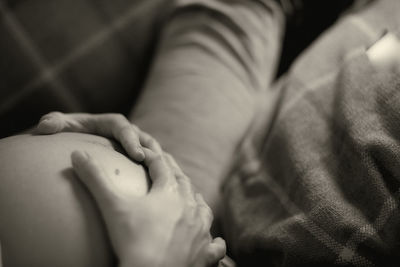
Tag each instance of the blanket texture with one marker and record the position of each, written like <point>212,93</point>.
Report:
<point>315,185</point>
<point>321,181</point>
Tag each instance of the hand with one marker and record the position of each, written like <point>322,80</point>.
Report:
<point>168,227</point>
<point>108,125</point>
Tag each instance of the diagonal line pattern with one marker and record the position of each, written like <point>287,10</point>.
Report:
<point>47,72</point>
<point>317,232</point>
<point>318,84</point>
<point>324,79</point>
<point>389,206</point>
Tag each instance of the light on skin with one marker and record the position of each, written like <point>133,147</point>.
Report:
<point>49,228</point>
<point>45,211</point>
<point>185,239</point>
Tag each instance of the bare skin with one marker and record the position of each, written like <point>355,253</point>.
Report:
<point>170,234</point>
<point>113,126</point>
<point>47,216</point>
<point>143,232</point>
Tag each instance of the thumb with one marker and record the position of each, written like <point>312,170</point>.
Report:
<point>96,180</point>
<point>216,250</point>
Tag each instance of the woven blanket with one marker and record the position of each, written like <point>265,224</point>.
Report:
<point>319,185</point>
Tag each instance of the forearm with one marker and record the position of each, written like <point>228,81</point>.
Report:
<point>214,61</point>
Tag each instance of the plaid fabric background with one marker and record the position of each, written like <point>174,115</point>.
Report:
<point>92,55</point>
<point>313,203</point>
<point>72,55</point>
<point>325,188</point>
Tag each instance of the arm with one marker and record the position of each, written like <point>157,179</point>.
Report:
<point>215,60</point>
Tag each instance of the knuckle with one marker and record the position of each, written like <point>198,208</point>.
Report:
<point>122,118</point>
<point>208,213</point>
<point>124,129</point>
<point>152,141</point>
<point>157,158</point>
<point>135,127</point>
<point>116,118</point>
<point>53,114</point>
<point>154,145</point>
<point>148,140</point>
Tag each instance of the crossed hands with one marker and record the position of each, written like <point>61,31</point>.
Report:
<point>170,226</point>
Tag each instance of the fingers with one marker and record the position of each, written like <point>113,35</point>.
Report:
<point>95,179</point>
<point>50,123</point>
<point>148,141</point>
<point>173,165</point>
<point>216,250</point>
<point>184,184</point>
<point>108,125</point>
<point>226,262</point>
<point>129,140</point>
<point>204,212</point>
<point>160,173</point>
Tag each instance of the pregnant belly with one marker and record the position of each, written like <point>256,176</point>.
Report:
<point>47,216</point>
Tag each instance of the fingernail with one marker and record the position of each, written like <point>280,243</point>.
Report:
<point>45,126</point>
<point>44,121</point>
<point>140,152</point>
